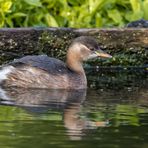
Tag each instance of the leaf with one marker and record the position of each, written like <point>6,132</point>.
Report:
<point>134,16</point>
<point>115,15</point>
<point>76,2</point>
<point>2,19</point>
<point>9,22</point>
<point>95,5</point>
<point>5,6</point>
<point>33,2</point>
<point>137,12</point>
<point>61,21</point>
<point>99,20</point>
<point>18,14</point>
<point>145,8</point>
<point>136,5</point>
<point>51,20</point>
<point>1,22</point>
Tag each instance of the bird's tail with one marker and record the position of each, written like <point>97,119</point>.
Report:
<point>4,71</point>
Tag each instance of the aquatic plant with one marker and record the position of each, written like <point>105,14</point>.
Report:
<point>71,13</point>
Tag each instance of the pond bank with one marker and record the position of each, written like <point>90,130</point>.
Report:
<point>127,45</point>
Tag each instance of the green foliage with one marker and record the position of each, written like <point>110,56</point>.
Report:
<point>71,13</point>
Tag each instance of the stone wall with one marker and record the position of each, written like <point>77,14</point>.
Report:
<point>129,46</point>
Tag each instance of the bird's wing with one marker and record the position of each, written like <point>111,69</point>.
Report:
<point>51,65</point>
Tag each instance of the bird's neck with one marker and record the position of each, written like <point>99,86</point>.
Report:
<point>74,63</point>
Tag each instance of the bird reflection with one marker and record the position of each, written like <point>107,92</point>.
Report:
<point>40,97</point>
<point>41,100</point>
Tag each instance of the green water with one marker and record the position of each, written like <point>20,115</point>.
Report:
<point>113,113</point>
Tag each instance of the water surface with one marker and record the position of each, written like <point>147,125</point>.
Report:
<point>112,113</point>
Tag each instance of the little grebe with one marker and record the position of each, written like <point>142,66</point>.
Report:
<point>45,72</point>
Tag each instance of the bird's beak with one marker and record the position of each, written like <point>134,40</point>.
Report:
<point>102,54</point>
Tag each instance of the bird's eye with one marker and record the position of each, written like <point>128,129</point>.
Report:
<point>91,48</point>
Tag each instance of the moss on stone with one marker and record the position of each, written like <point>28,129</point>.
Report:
<point>127,46</point>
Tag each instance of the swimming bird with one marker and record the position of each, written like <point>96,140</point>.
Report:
<point>41,71</point>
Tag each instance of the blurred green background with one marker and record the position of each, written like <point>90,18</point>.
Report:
<point>71,13</point>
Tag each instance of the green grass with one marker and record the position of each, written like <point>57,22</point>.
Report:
<point>71,13</point>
